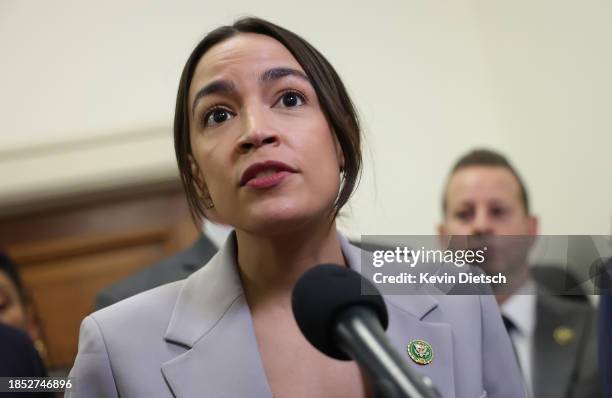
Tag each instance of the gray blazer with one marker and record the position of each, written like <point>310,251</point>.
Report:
<point>176,267</point>
<point>195,338</point>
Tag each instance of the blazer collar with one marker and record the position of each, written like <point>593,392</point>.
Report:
<point>205,296</point>
<point>208,293</point>
<point>211,318</point>
<point>418,305</point>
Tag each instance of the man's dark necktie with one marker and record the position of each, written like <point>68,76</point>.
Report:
<point>511,327</point>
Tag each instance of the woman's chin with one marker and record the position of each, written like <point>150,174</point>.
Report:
<point>274,221</point>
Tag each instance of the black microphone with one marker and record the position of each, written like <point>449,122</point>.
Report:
<point>345,324</point>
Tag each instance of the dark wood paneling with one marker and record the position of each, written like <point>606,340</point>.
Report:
<point>67,254</point>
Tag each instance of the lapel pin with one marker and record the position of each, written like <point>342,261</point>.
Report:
<point>420,352</point>
<point>563,335</point>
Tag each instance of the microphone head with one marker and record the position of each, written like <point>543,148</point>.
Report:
<point>319,297</point>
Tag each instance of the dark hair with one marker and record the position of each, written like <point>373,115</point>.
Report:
<point>10,269</point>
<point>486,157</point>
<point>331,93</point>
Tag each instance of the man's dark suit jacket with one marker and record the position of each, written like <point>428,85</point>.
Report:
<point>19,358</point>
<point>176,267</point>
<point>605,330</point>
<point>567,367</point>
<point>605,343</point>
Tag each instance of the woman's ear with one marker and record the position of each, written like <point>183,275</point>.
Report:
<point>196,173</point>
<point>200,184</point>
<point>339,153</point>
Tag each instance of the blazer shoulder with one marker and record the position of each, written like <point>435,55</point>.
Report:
<point>124,343</point>
<point>92,369</point>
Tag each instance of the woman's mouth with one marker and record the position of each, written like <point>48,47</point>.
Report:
<point>268,180</point>
<point>265,175</point>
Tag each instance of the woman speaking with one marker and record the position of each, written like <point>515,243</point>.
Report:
<point>267,141</point>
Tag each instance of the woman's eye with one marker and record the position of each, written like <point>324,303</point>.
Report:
<point>290,99</point>
<point>217,116</point>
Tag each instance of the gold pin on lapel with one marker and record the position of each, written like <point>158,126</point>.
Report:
<point>563,335</point>
<point>420,352</point>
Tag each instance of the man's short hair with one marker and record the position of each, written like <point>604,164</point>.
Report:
<point>486,158</point>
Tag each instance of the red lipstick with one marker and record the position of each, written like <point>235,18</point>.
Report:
<point>266,174</point>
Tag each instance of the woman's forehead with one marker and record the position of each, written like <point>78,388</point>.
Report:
<point>243,54</point>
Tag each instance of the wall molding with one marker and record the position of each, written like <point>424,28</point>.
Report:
<point>99,162</point>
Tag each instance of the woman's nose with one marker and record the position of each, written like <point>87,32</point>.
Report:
<point>257,132</point>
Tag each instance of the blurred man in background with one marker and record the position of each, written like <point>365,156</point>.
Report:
<point>605,330</point>
<point>554,337</point>
<point>176,267</point>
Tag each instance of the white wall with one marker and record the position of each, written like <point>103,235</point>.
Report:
<point>88,92</point>
<point>551,63</point>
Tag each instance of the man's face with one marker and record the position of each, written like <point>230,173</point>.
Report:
<point>485,201</point>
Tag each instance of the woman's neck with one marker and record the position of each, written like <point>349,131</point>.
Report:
<point>270,266</point>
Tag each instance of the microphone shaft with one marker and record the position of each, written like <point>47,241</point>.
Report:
<point>361,336</point>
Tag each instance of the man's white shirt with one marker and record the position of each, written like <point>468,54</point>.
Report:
<point>520,309</point>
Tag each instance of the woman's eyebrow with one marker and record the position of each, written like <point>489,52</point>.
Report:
<point>214,87</point>
<point>226,86</point>
<point>280,72</point>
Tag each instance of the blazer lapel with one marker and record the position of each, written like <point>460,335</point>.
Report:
<point>211,319</point>
<point>408,321</point>
<point>412,317</point>
<point>223,363</point>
